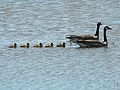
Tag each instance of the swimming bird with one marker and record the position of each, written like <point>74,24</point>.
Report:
<point>49,45</point>
<point>61,44</point>
<point>75,38</point>
<point>94,43</point>
<point>14,45</point>
<point>25,45</point>
<point>39,45</point>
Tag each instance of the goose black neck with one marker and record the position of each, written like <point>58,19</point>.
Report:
<point>105,38</point>
<point>97,31</point>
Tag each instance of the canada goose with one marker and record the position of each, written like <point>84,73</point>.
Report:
<point>25,46</point>
<point>61,44</point>
<point>74,38</point>
<point>38,45</point>
<point>14,45</point>
<point>49,45</point>
<point>94,43</point>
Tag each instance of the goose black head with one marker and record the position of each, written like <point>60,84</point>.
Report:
<point>107,28</point>
<point>99,23</point>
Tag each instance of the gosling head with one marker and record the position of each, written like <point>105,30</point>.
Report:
<point>40,44</point>
<point>15,45</point>
<point>63,44</point>
<point>51,44</point>
<point>28,44</point>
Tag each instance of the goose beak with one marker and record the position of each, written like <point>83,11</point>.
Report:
<point>109,28</point>
<point>99,23</point>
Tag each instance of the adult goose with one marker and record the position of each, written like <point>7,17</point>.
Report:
<point>94,43</point>
<point>74,38</point>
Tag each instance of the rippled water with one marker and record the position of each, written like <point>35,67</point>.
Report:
<point>69,68</point>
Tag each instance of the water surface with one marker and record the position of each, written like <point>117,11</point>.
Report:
<point>69,68</point>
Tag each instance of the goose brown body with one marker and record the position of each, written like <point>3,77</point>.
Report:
<point>75,38</point>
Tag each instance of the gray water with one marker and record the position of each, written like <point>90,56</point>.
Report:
<point>69,68</point>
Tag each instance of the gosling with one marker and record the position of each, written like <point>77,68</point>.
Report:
<point>14,45</point>
<point>61,44</point>
<point>39,45</point>
<point>49,45</point>
<point>25,45</point>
